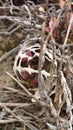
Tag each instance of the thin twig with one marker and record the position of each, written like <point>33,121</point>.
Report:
<point>68,31</point>
<point>15,104</point>
<point>9,53</point>
<point>8,121</point>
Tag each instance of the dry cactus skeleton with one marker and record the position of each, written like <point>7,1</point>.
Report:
<point>26,62</point>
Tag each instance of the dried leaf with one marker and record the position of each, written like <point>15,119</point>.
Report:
<point>61,3</point>
<point>54,23</point>
<point>41,9</point>
<point>66,4</point>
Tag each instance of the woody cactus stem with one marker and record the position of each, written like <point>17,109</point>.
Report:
<point>41,82</point>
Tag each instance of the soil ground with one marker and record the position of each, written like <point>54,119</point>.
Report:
<point>7,64</point>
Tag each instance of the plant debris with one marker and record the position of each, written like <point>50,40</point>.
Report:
<point>42,98</point>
